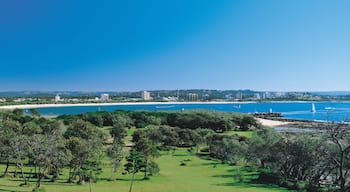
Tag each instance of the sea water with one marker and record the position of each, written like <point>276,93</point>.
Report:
<point>325,111</point>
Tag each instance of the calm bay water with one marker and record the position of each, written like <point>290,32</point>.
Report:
<point>325,111</point>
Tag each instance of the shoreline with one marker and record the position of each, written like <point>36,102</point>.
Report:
<point>269,122</point>
<point>28,106</point>
<point>272,123</point>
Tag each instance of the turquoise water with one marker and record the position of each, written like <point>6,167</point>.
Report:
<point>325,111</point>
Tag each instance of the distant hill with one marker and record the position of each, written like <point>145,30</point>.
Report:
<point>332,93</point>
<point>46,93</point>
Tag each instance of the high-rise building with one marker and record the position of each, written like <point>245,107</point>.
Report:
<point>145,95</point>
<point>57,98</point>
<point>239,95</point>
<point>104,97</point>
<point>192,97</point>
<point>257,96</point>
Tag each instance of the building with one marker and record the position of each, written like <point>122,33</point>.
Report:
<point>257,96</point>
<point>239,95</point>
<point>57,98</point>
<point>145,95</point>
<point>104,97</point>
<point>192,97</point>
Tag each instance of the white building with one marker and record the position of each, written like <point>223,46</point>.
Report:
<point>239,95</point>
<point>145,95</point>
<point>192,97</point>
<point>104,97</point>
<point>57,98</point>
<point>257,96</point>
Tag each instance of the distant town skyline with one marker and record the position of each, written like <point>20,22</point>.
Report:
<point>271,45</point>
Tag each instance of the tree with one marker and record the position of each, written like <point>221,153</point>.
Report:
<point>115,151</point>
<point>300,158</point>
<point>85,144</point>
<point>134,164</point>
<point>262,146</point>
<point>31,128</point>
<point>339,135</point>
<point>34,112</point>
<point>48,152</point>
<point>246,122</point>
<point>227,149</point>
<point>90,169</point>
<point>18,112</point>
<point>19,145</point>
<point>198,138</point>
<point>153,168</point>
<point>7,133</point>
<point>148,151</point>
<point>205,134</point>
<point>170,136</point>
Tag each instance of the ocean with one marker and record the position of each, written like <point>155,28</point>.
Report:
<point>325,111</point>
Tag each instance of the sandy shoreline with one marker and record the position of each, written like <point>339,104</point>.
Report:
<point>272,123</point>
<point>264,122</point>
<point>28,106</point>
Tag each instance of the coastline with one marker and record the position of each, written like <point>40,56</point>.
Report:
<point>29,106</point>
<point>272,123</point>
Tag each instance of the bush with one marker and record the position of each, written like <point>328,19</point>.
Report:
<point>239,176</point>
<point>205,150</point>
<point>266,177</point>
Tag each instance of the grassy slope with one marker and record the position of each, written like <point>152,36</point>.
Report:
<point>197,175</point>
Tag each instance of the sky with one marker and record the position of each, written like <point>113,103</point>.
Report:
<point>115,45</point>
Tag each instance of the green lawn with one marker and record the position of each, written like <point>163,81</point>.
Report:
<point>247,134</point>
<point>198,175</point>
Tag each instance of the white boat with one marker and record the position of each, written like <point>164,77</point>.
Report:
<point>164,106</point>
<point>313,109</point>
<point>237,106</point>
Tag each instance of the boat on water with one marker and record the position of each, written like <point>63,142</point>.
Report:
<point>313,108</point>
<point>237,106</point>
<point>164,106</point>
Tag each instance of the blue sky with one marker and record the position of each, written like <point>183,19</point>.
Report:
<point>277,45</point>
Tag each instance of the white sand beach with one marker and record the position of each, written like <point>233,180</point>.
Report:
<point>271,123</point>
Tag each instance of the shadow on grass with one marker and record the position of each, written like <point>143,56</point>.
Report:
<point>180,155</point>
<point>210,164</point>
<point>5,190</point>
<point>223,176</point>
<point>248,185</point>
<point>243,178</point>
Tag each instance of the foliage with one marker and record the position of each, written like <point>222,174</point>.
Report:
<point>78,145</point>
<point>215,120</point>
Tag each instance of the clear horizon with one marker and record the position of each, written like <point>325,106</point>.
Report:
<point>302,91</point>
<point>91,46</point>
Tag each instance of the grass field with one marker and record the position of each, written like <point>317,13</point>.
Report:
<point>198,175</point>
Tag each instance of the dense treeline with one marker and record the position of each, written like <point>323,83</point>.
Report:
<point>305,161</point>
<point>77,144</point>
<point>217,121</point>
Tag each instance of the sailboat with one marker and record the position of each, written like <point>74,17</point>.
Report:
<point>237,106</point>
<point>313,109</point>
